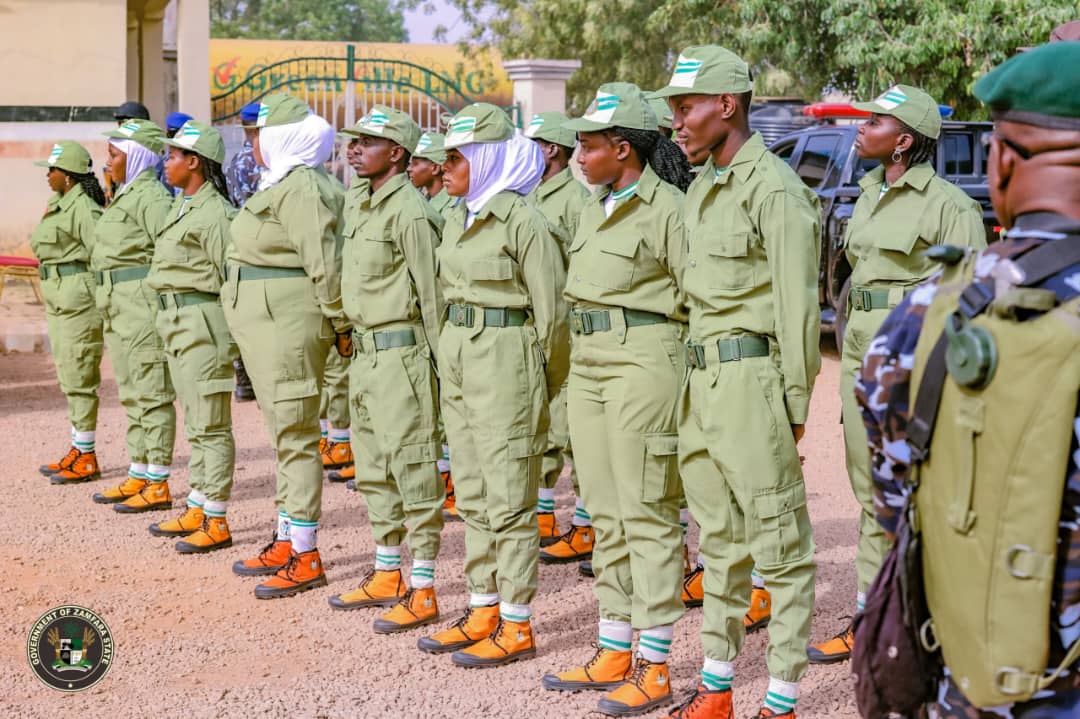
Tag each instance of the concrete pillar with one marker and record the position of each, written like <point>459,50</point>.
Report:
<point>540,85</point>
<point>146,66</point>
<point>193,57</point>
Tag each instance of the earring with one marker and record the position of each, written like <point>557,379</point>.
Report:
<point>897,156</point>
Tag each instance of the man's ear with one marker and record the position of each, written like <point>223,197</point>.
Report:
<point>397,154</point>
<point>551,151</point>
<point>727,105</point>
<point>1002,164</point>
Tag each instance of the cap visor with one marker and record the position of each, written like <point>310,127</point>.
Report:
<point>42,163</point>
<point>871,107</point>
<point>672,90</point>
<point>116,134</point>
<point>583,125</point>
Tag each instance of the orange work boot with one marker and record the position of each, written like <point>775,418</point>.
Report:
<point>213,534</point>
<point>128,488</point>
<point>449,507</point>
<point>155,495</point>
<point>379,588</point>
<point>705,703</point>
<point>417,608</point>
<point>833,650</point>
<point>760,610</point>
<point>693,591</point>
<point>606,670</point>
<point>83,469</point>
<point>509,642</point>
<point>575,545</point>
<point>185,524</point>
<point>337,455</point>
<point>53,467</point>
<point>767,713</point>
<point>345,474</point>
<point>270,559</point>
<point>647,687</point>
<point>549,528</point>
<point>474,625</point>
<point>302,572</point>
<point>323,441</point>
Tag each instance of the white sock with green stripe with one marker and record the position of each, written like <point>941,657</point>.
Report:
<point>860,602</point>
<point>515,612</point>
<point>781,696</point>
<point>654,645</point>
<point>581,517</point>
<point>284,526</point>
<point>615,636</point>
<point>339,435</point>
<point>157,472</point>
<point>387,559</point>
<point>83,441</point>
<point>483,600</point>
<point>545,503</point>
<point>304,535</point>
<point>423,573</point>
<point>684,522</point>
<point>213,508</point>
<point>324,427</point>
<point>717,676</point>
<point>757,579</point>
<point>196,499</point>
<point>137,470</point>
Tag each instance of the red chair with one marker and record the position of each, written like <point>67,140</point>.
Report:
<point>23,268</point>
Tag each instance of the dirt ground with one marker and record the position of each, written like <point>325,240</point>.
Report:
<point>192,641</point>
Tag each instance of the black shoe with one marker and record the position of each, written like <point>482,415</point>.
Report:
<point>585,568</point>
<point>244,391</point>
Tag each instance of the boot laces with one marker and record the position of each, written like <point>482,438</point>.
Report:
<point>637,676</point>
<point>69,458</point>
<point>290,565</point>
<point>690,703</point>
<point>266,550</point>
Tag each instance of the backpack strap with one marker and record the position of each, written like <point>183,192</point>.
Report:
<point>1048,259</point>
<point>1014,681</point>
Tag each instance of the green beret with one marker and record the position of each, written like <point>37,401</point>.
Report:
<point>200,138</point>
<point>550,127</point>
<point>1036,87</point>
<point>143,132</point>
<point>479,122</point>
<point>394,125</point>
<point>617,104</point>
<point>68,155</point>
<point>281,109</point>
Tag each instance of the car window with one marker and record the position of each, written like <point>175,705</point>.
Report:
<point>958,153</point>
<point>816,165</point>
<point>786,151</point>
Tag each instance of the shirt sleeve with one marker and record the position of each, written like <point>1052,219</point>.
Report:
<point>216,244</point>
<point>86,217</point>
<point>153,210</point>
<point>418,243</point>
<point>965,228</point>
<point>544,273</point>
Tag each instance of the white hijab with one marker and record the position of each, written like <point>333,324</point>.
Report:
<point>139,159</point>
<point>308,142</point>
<point>516,165</point>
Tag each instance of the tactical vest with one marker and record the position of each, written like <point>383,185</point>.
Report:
<point>989,489</point>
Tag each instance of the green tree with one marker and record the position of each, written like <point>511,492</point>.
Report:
<point>328,20</point>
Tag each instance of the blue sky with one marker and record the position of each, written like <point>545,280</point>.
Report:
<point>421,27</point>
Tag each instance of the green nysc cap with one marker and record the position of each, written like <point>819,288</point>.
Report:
<point>617,104</point>
<point>909,105</point>
<point>1036,88</point>
<point>479,122</point>
<point>430,147</point>
<point>394,125</point>
<point>550,127</point>
<point>68,155</point>
<point>281,108</point>
<point>200,138</point>
<point>143,132</point>
<point>707,70</point>
<point>664,115</point>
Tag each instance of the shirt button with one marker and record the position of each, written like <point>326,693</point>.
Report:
<point>693,263</point>
<point>577,278</point>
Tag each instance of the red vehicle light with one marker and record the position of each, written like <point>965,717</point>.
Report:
<point>822,110</point>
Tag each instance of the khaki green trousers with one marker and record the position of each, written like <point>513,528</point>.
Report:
<point>200,353</point>
<point>622,407</point>
<point>284,340</point>
<point>873,544</point>
<point>744,486</point>
<point>75,333</point>
<point>559,448</point>
<point>495,405</point>
<point>137,354</point>
<point>396,440</point>
<point>334,401</point>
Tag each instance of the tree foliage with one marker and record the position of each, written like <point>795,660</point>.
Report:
<point>327,20</point>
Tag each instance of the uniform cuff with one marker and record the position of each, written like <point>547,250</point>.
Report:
<point>798,406</point>
<point>340,324</point>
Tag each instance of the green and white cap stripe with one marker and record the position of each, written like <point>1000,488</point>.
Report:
<point>462,130</point>
<point>424,142</point>
<point>57,150</point>
<point>376,121</point>
<point>892,98</point>
<point>686,71</point>
<point>604,107</point>
<point>128,129</point>
<point>264,114</point>
<point>536,124</point>
<point>188,135</point>
<point>478,122</point>
<point>912,106</point>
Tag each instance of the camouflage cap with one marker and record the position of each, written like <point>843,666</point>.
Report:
<point>281,108</point>
<point>1036,88</point>
<point>383,121</point>
<point>200,138</point>
<point>664,115</point>
<point>707,70</point>
<point>430,147</point>
<point>479,122</point>
<point>909,105</point>
<point>144,132</point>
<point>68,155</point>
<point>617,104</point>
<point>550,127</point>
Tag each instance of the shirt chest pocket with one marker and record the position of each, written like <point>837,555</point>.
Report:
<point>491,269</point>
<point>730,262</point>
<point>899,240</point>
<point>53,229</point>
<point>259,217</point>
<point>373,255</point>
<point>615,262</point>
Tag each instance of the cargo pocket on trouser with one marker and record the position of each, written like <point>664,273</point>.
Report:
<point>291,400</point>
<point>151,375</point>
<point>420,482</point>
<point>660,470</point>
<point>214,405</point>
<point>522,479</point>
<point>785,535</point>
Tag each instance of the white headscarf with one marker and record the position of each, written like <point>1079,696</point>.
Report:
<point>516,165</point>
<point>139,159</point>
<point>308,142</point>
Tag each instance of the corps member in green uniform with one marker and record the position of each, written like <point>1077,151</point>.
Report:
<point>628,319</point>
<point>123,248</point>
<point>904,209</point>
<point>502,356</point>
<point>751,282</point>
<point>187,273</point>
<point>282,300</point>
<point>62,242</point>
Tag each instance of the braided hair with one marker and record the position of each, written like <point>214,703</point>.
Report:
<point>90,185</point>
<point>923,148</point>
<point>214,174</point>
<point>661,154</point>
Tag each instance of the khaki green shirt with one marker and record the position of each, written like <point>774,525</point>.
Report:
<point>442,203</point>
<point>359,190</point>
<point>888,233</point>
<point>127,230</point>
<point>66,232</point>
<point>753,235</point>
<point>388,272</point>
<point>631,258</point>
<point>191,249</point>
<point>562,198</point>
<point>296,224</point>
<point>509,258</point>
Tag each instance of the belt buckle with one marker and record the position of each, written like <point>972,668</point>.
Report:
<point>161,302</point>
<point>575,322</point>
<point>585,321</point>
<point>856,299</point>
<point>695,355</point>
<point>463,315</point>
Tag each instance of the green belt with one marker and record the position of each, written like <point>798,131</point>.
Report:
<point>585,322</point>
<point>464,315</point>
<point>866,299</point>
<point>253,272</point>
<point>127,274</point>
<point>728,350</point>
<point>386,340</point>
<point>185,299</point>
<point>63,269</point>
